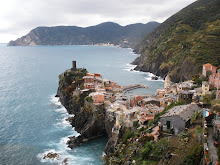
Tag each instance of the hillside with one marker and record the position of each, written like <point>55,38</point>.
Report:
<point>183,43</point>
<point>109,32</point>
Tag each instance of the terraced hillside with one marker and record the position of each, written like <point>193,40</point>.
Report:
<point>183,43</point>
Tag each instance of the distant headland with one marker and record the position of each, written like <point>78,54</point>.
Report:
<point>107,33</point>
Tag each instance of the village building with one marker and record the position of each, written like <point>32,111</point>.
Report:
<point>205,88</point>
<point>98,98</point>
<point>164,102</point>
<point>184,86</point>
<point>91,80</point>
<point>198,91</point>
<point>153,109</point>
<point>150,100</point>
<point>178,117</point>
<point>134,99</point>
<point>186,96</point>
<point>160,93</point>
<point>214,79</point>
<point>112,108</point>
<point>144,118</point>
<point>208,67</point>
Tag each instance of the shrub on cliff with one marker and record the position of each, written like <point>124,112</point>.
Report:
<point>193,156</point>
<point>146,150</point>
<point>127,135</point>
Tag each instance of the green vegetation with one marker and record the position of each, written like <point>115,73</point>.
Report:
<point>193,156</point>
<point>127,135</point>
<point>208,98</point>
<point>136,124</point>
<point>146,150</point>
<point>197,80</point>
<point>89,99</point>
<point>215,106</point>
<point>107,32</point>
<point>184,42</point>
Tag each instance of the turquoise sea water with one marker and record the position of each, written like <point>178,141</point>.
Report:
<point>32,121</point>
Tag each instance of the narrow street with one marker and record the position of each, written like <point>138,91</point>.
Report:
<point>212,148</point>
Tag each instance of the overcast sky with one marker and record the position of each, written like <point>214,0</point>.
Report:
<point>18,17</point>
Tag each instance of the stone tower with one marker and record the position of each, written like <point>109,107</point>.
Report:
<point>73,65</point>
<point>167,83</point>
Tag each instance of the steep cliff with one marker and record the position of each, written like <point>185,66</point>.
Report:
<point>183,43</point>
<point>89,119</point>
<point>109,32</point>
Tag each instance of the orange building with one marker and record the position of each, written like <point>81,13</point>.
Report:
<point>208,67</point>
<point>89,82</point>
<point>98,98</point>
<point>135,99</point>
<point>213,80</point>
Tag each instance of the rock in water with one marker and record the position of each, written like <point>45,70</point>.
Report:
<point>75,141</point>
<point>52,156</point>
<point>154,78</point>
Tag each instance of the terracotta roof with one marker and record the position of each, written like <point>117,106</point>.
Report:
<point>208,65</point>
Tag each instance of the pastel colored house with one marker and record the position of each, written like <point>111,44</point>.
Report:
<point>208,67</point>
<point>214,79</point>
<point>205,87</point>
<point>134,99</point>
<point>198,91</point>
<point>89,82</point>
<point>164,102</point>
<point>151,100</point>
<point>144,118</point>
<point>160,93</point>
<point>98,98</point>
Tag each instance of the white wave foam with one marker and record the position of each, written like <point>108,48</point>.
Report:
<point>55,100</point>
<point>62,150</point>
<point>149,75</point>
<point>60,147</point>
<point>130,68</point>
<point>44,159</point>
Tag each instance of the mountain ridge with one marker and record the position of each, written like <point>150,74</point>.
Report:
<point>104,33</point>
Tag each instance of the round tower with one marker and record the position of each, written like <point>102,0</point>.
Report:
<point>167,83</point>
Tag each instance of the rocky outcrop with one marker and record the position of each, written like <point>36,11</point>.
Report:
<point>105,33</point>
<point>89,119</point>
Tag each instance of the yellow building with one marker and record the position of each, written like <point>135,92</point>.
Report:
<point>205,87</point>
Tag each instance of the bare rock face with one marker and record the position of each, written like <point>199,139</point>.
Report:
<point>75,141</point>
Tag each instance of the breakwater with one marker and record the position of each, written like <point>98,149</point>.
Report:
<point>133,86</point>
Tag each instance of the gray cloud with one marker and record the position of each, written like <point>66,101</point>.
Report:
<point>18,17</point>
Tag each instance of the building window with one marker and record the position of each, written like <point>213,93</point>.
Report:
<point>168,124</point>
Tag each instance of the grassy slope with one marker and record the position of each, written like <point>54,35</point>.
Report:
<point>184,42</point>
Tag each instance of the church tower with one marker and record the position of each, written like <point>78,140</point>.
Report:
<point>167,83</point>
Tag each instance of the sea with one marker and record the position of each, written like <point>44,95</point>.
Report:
<point>32,120</point>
